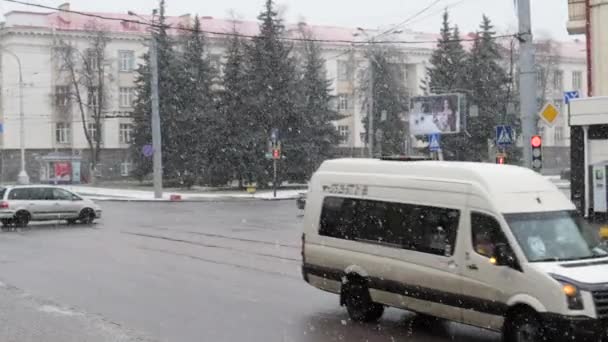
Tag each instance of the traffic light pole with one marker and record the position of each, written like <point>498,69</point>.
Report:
<point>527,79</point>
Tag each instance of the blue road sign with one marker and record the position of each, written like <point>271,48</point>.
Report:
<point>148,151</point>
<point>504,136</point>
<point>571,95</point>
<point>1,128</point>
<point>435,142</point>
<point>274,135</point>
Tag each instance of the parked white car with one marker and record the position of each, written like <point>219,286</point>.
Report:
<point>21,204</point>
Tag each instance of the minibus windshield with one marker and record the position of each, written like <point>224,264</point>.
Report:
<point>555,236</point>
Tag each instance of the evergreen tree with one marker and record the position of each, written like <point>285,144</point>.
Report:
<point>197,120</point>
<point>142,131</point>
<point>170,106</point>
<point>236,125</point>
<point>488,83</point>
<point>271,87</point>
<point>316,136</point>
<point>447,71</point>
<point>390,101</point>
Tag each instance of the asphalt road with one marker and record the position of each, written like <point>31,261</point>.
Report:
<point>209,271</point>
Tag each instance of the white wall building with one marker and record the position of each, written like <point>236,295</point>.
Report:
<point>53,133</point>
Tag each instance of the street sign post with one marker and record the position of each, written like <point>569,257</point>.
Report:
<point>504,136</point>
<point>549,113</point>
<point>571,95</point>
<point>435,142</point>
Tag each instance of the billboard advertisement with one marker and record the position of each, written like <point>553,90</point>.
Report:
<point>436,114</point>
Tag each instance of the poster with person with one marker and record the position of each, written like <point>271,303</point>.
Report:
<point>435,114</point>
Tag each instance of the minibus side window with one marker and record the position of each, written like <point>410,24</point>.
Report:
<point>486,234</point>
<point>413,227</point>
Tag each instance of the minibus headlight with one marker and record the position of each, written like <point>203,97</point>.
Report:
<point>573,296</point>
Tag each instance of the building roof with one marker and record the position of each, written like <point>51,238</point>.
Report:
<point>75,22</point>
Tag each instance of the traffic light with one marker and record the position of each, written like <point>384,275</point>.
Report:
<point>501,159</point>
<point>276,153</point>
<point>537,152</point>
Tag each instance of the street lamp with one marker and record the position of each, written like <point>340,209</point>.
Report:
<point>22,178</point>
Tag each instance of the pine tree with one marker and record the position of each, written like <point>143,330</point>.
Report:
<point>446,72</point>
<point>197,119</point>
<point>390,101</point>
<point>169,105</point>
<point>142,131</point>
<point>488,82</point>
<point>236,126</point>
<point>271,88</point>
<point>316,136</point>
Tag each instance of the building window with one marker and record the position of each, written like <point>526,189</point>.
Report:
<point>344,132</point>
<point>343,102</point>
<point>125,168</point>
<point>93,133</point>
<point>62,132</point>
<point>558,80</point>
<point>92,99</point>
<point>126,96</point>
<point>344,71</point>
<point>126,60</point>
<point>558,135</point>
<point>540,76</point>
<point>215,61</point>
<point>92,59</point>
<point>395,225</point>
<point>62,96</point>
<point>577,80</point>
<point>125,132</point>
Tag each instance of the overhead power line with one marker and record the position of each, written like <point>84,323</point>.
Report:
<point>417,14</point>
<point>239,35</point>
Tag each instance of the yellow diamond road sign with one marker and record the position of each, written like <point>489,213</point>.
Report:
<point>549,113</point>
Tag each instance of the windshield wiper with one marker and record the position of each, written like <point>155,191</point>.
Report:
<point>548,260</point>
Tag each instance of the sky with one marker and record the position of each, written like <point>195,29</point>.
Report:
<point>548,16</point>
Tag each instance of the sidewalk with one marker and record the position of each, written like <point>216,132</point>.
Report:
<point>118,194</point>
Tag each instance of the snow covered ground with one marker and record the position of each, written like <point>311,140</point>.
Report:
<point>108,194</point>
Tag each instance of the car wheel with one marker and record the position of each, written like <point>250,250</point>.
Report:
<point>22,218</point>
<point>359,304</point>
<point>523,326</point>
<point>87,216</point>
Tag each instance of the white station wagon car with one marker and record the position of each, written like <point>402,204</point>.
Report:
<point>21,204</point>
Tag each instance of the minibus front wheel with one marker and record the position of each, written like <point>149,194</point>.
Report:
<point>523,325</point>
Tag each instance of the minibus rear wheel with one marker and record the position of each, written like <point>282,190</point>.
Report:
<point>359,303</point>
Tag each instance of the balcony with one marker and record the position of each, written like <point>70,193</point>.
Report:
<point>576,16</point>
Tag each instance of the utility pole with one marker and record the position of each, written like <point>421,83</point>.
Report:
<point>527,80</point>
<point>22,178</point>
<point>156,134</point>
<point>370,115</point>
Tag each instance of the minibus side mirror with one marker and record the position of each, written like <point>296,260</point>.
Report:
<point>504,256</point>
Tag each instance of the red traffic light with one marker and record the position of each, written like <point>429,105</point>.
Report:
<point>500,160</point>
<point>276,153</point>
<point>536,141</point>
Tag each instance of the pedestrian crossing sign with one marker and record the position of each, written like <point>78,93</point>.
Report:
<point>504,136</point>
<point>434,144</point>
